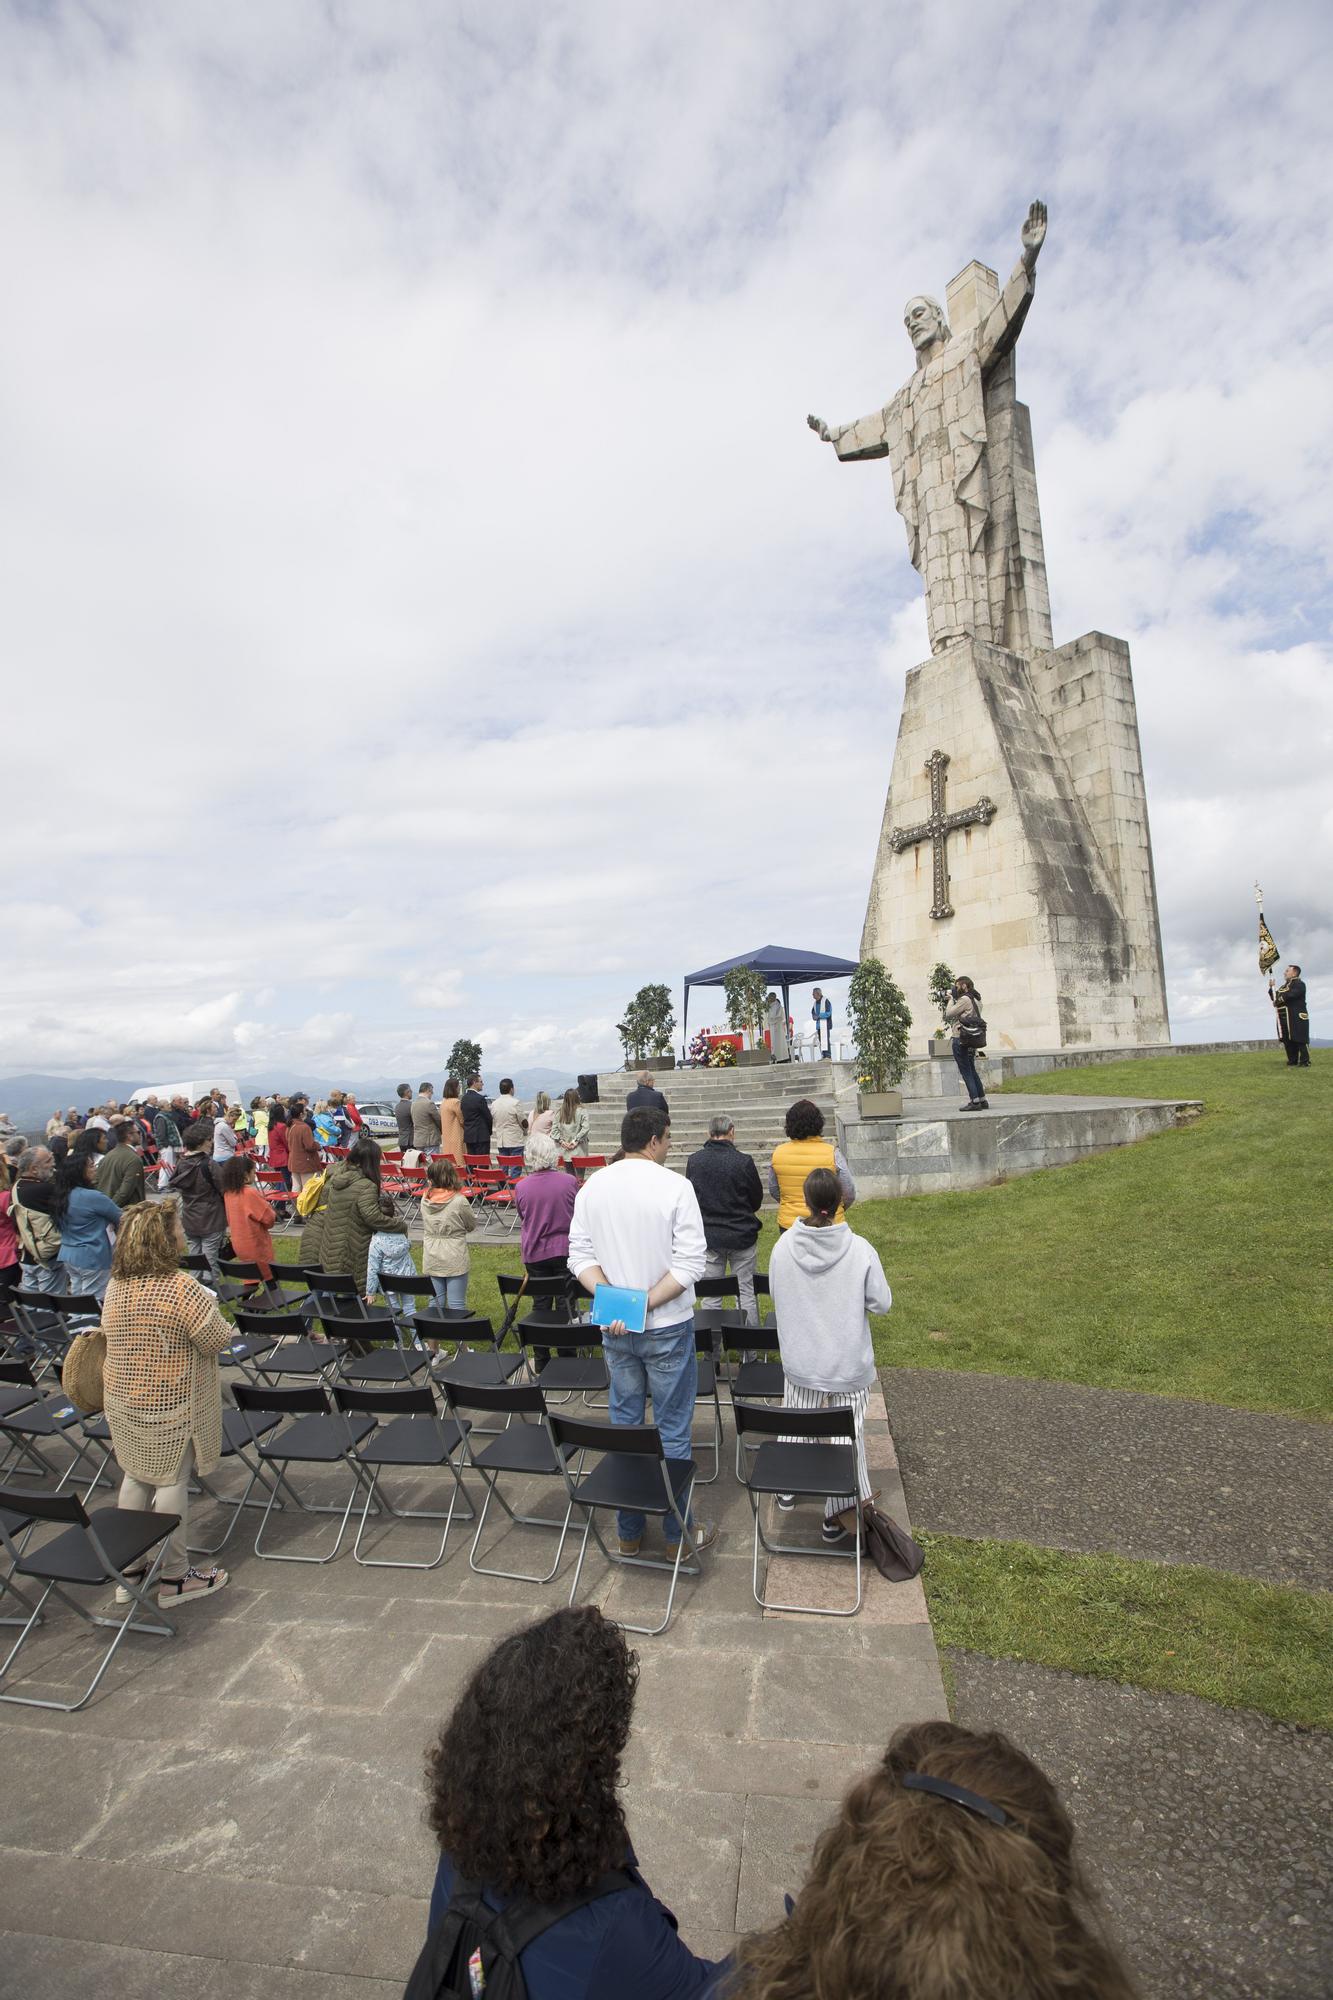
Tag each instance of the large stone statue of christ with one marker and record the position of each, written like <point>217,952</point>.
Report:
<point>964,480</point>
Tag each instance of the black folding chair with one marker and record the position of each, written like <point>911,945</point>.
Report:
<point>760,1378</point>
<point>43,1337</point>
<point>795,1456</point>
<point>240,1433</point>
<point>706,1363</point>
<point>477,1360</point>
<point>18,1386</point>
<point>95,1550</point>
<point>402,1296</point>
<point>556,1297</point>
<point>53,1419</point>
<point>416,1438</point>
<point>524,1449</point>
<point>338,1294</point>
<point>246,1284</point>
<point>290,1349</point>
<point>390,1362</point>
<point>315,1436</point>
<point>634,1475</point>
<point>19,1524</point>
<point>577,1368</point>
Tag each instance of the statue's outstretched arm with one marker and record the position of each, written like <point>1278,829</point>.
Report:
<point>1004,321</point>
<point>863,439</point>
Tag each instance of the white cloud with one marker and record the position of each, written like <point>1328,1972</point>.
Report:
<point>425,604</point>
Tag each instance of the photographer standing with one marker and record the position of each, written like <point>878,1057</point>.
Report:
<point>964,1013</point>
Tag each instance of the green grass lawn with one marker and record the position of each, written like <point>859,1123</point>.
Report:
<point>1177,1629</point>
<point>1198,1264</point>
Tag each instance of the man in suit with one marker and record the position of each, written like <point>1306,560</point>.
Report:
<point>476,1119</point>
<point>426,1120</point>
<point>644,1098</point>
<point>402,1112</point>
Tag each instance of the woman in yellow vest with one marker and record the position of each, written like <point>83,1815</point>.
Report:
<point>804,1149</point>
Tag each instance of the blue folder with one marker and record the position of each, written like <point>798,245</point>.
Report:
<point>613,1302</point>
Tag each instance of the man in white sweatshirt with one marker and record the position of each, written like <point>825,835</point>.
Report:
<point>637,1224</point>
<point>826,1281</point>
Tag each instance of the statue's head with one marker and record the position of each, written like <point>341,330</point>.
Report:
<point>925,322</point>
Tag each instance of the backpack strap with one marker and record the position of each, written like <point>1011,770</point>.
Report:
<point>522,1921</point>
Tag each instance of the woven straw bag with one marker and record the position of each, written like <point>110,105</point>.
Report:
<point>81,1375</point>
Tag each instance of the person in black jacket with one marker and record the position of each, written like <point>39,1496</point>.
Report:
<point>476,1119</point>
<point>1293,1019</point>
<point>402,1112</point>
<point>730,1196</point>
<point>203,1211</point>
<point>644,1098</point>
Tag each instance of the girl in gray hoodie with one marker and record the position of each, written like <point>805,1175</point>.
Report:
<point>826,1281</point>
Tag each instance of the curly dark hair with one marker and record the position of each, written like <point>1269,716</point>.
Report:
<point>804,1119</point>
<point>523,1777</point>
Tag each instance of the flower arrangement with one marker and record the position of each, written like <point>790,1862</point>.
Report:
<point>699,1051</point>
<point>722,1056</point>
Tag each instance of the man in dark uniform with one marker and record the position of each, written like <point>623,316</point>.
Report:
<point>1293,1022</point>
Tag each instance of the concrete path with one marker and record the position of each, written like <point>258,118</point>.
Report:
<point>1207,1831</point>
<point>1109,1470</point>
<point>239,1813</point>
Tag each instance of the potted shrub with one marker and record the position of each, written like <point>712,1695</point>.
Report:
<point>940,1041</point>
<point>646,1031</point>
<point>879,1018</point>
<point>747,996</point>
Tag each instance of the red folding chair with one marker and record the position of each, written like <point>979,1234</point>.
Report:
<point>584,1164</point>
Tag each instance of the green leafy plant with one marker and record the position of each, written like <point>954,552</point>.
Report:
<point>747,997</point>
<point>464,1060</point>
<point>649,1024</point>
<point>879,1017</point>
<point>941,990</point>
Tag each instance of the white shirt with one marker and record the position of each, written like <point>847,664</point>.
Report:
<point>639,1221</point>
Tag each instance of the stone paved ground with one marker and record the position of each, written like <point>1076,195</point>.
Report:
<point>1207,1829</point>
<point>239,1813</point>
<point>1109,1470</point>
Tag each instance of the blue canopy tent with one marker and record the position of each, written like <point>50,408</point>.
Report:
<point>780,965</point>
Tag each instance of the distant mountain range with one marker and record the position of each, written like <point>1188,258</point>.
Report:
<point>30,1100</point>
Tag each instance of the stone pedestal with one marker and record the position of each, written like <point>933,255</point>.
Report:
<point>1043,891</point>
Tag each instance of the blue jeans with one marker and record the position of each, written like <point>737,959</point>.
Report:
<point>451,1292</point>
<point>662,1364</point>
<point>967,1069</point>
<point>44,1277</point>
<point>84,1281</point>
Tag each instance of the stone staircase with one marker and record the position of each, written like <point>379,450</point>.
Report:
<point>755,1100</point>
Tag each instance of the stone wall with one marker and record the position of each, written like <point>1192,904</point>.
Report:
<point>1041,920</point>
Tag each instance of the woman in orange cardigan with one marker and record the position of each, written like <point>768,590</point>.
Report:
<point>804,1149</point>
<point>250,1220</point>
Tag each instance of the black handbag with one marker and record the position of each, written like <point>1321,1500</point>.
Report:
<point>972,1034</point>
<point>895,1555</point>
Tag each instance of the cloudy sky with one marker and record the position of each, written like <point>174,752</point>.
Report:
<point>425,610</point>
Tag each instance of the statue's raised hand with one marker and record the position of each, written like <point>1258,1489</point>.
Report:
<point>1033,233</point>
<point>820,428</point>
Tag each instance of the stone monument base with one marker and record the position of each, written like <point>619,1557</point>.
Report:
<point>1015,846</point>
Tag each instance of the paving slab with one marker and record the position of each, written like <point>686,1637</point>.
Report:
<point>1207,1830</point>
<point>1116,1471</point>
<point>255,1785</point>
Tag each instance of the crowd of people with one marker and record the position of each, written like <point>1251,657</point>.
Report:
<point>951,1863</point>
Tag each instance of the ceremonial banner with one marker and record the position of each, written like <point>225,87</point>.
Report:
<point>1268,951</point>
